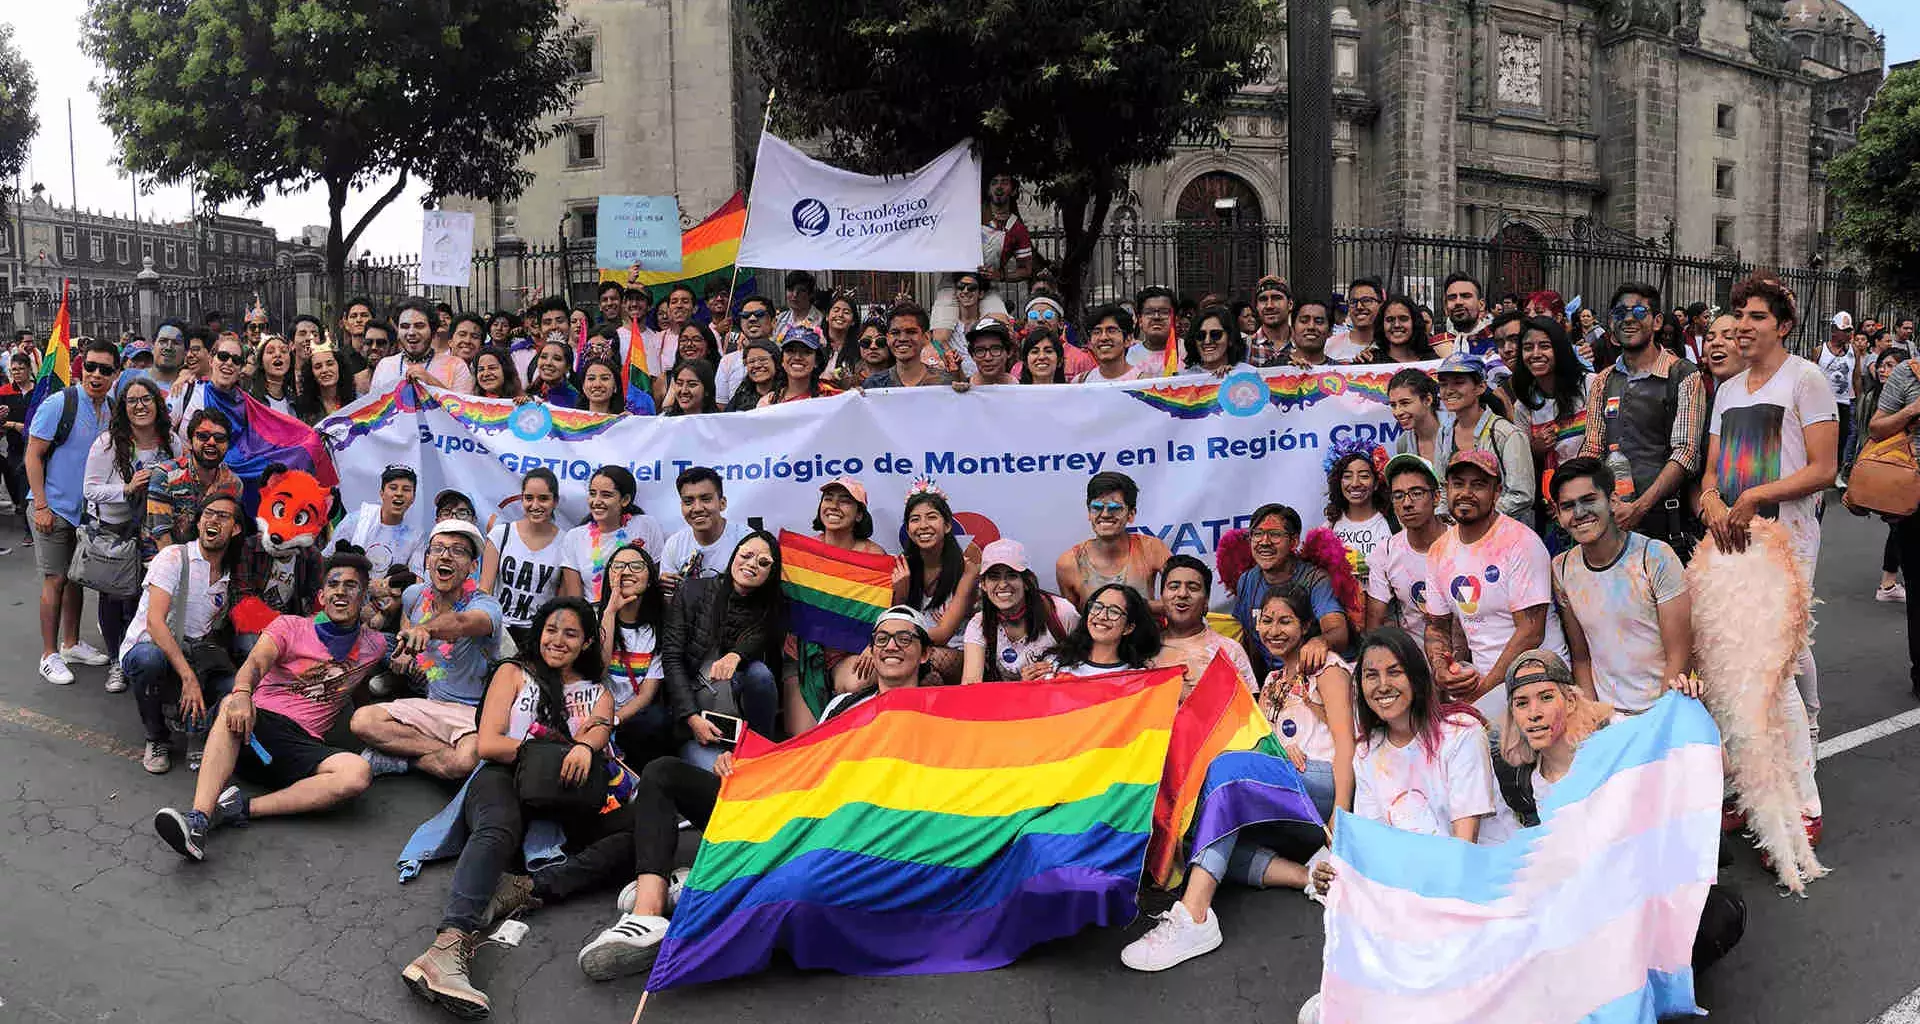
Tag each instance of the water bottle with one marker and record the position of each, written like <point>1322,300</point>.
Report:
<point>1622,473</point>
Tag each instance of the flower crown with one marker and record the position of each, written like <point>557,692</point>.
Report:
<point>925,485</point>
<point>1376,455</point>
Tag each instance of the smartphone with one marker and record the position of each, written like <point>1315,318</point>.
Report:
<point>728,725</point>
<point>510,932</point>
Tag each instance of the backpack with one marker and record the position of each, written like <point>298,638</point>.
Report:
<point>69,411</point>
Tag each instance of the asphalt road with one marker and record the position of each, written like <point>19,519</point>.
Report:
<point>303,920</point>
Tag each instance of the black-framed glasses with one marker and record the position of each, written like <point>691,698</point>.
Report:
<point>1270,536</point>
<point>631,568</point>
<point>137,401</point>
<point>758,314</point>
<point>1413,494</point>
<point>1215,335</point>
<point>209,437</point>
<point>103,369</point>
<point>1105,612</point>
<point>448,551</point>
<point>890,640</point>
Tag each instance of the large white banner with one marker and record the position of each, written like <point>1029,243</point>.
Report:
<point>803,213</point>
<point>1014,460</point>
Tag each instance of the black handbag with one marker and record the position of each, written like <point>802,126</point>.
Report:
<point>536,777</point>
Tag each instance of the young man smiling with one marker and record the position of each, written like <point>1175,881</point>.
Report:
<point>177,489</point>
<point>1110,338</point>
<point>417,361</point>
<point>56,473</point>
<point>1400,575</point>
<point>380,529</point>
<point>1188,641</point>
<point>1113,554</point>
<point>1274,531</point>
<point>706,543</point>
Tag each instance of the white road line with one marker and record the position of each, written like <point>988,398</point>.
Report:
<point>1906,1011</point>
<point>1867,734</point>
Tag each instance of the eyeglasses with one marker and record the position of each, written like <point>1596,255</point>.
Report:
<point>1105,612</point>
<point>1214,335</point>
<point>233,358</point>
<point>138,401</point>
<point>1155,314</point>
<point>884,640</point>
<point>762,562</point>
<point>216,515</point>
<point>1363,300</point>
<point>209,437</point>
<point>1413,494</point>
<point>103,369</point>
<point>1270,536</point>
<point>1102,507</point>
<point>446,550</point>
<point>873,343</point>
<point>1636,312</point>
<point>627,568</point>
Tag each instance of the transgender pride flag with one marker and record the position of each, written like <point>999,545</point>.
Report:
<point>1589,916</point>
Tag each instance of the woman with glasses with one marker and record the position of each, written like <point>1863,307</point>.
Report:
<point>522,565</point>
<point>1403,335</point>
<point>722,645</point>
<point>632,612</point>
<point>935,575</point>
<point>119,464</point>
<point>1213,343</point>
<point>1117,632</point>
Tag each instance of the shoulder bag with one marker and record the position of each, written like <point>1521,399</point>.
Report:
<point>107,558</point>
<point>1886,474</point>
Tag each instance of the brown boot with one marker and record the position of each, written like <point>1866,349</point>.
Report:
<point>440,975</point>
<point>513,895</point>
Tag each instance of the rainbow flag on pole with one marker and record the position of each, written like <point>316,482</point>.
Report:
<point>56,363</point>
<point>1219,717</point>
<point>834,595</point>
<point>928,831</point>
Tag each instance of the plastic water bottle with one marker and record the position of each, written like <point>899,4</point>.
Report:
<point>1622,473</point>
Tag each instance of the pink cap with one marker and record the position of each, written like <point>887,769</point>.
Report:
<point>848,484</point>
<point>1010,553</point>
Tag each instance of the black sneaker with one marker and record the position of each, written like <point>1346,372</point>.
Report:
<point>186,833</point>
<point>232,808</point>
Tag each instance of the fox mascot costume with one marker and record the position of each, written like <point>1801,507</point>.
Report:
<point>283,556</point>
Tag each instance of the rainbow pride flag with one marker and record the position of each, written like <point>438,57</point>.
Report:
<point>707,250</point>
<point>834,594</point>
<point>56,363</point>
<point>928,831</point>
<point>1219,717</point>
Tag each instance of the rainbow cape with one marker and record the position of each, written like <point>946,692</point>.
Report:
<point>1218,719</point>
<point>56,363</point>
<point>707,251</point>
<point>928,831</point>
<point>834,594</point>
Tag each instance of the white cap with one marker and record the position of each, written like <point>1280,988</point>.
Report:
<point>1843,321</point>
<point>464,529</point>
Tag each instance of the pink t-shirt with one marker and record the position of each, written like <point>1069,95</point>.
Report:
<point>305,683</point>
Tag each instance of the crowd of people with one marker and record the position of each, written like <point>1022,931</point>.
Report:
<point>1429,646</point>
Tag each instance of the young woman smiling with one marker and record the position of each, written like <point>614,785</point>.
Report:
<point>1404,332</point>
<point>692,389</point>
<point>325,385</point>
<point>632,609</point>
<point>1013,636</point>
<point>1117,632</point>
<point>273,380</point>
<point>494,375</point>
<point>936,577</point>
<point>138,437</point>
<point>1041,360</point>
<point>722,644</point>
<point>815,673</point>
<point>522,564</point>
<point>612,521</point>
<point>551,365</point>
<point>600,390</point>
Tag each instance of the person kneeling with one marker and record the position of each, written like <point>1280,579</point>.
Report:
<point>299,677</point>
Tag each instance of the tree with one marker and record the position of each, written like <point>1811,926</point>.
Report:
<point>241,96</point>
<point>18,123</point>
<point>1877,184</point>
<point>1066,95</point>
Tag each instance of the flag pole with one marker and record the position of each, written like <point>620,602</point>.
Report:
<point>747,221</point>
<point>638,1010</point>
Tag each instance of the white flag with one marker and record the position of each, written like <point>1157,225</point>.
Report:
<point>806,214</point>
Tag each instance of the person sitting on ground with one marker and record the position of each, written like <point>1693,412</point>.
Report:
<point>815,673</point>
<point>451,632</point>
<point>177,489</point>
<point>272,728</point>
<point>1117,632</point>
<point>1312,714</point>
<point>552,695</point>
<point>722,645</point>
<point>181,617</point>
<point>936,575</point>
<point>1025,623</point>
<point>380,529</point>
<point>632,615</point>
<point>1188,640</point>
<point>702,547</point>
<point>1274,531</point>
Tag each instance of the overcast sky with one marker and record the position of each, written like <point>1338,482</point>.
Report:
<point>51,41</point>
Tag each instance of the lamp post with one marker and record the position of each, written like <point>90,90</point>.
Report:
<point>1310,146</point>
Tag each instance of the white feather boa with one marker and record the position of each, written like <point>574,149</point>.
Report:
<point>1752,612</point>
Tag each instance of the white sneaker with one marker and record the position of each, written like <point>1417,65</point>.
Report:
<point>1310,1010</point>
<point>116,680</point>
<point>1174,941</point>
<point>55,671</point>
<point>83,653</point>
<point>675,883</point>
<point>629,947</point>
<point>1890,592</point>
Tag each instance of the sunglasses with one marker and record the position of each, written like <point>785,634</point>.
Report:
<point>1621,313</point>
<point>209,437</point>
<point>1215,335</point>
<point>103,369</point>
<point>758,314</point>
<point>1099,507</point>
<point>1042,314</point>
<point>232,358</point>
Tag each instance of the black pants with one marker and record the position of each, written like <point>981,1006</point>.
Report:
<point>600,848</point>
<point>1890,555</point>
<point>1906,538</point>
<point>670,789</point>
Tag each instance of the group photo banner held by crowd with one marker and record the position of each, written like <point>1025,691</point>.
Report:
<point>1014,460</point>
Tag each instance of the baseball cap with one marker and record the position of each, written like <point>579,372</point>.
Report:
<point>1463,362</point>
<point>848,484</point>
<point>138,348</point>
<point>800,334</point>
<point>1479,458</point>
<point>1010,553</point>
<point>464,529</point>
<point>399,471</point>
<point>993,327</point>
<point>453,492</point>
<point>1843,321</point>
<point>907,614</point>
<point>1538,666</point>
<point>1406,461</point>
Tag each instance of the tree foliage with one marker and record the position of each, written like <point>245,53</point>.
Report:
<point>18,123</point>
<point>1067,95</point>
<point>243,97</point>
<point>1877,183</point>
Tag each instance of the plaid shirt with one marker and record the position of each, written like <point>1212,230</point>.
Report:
<point>253,572</point>
<point>1684,439</point>
<point>175,493</point>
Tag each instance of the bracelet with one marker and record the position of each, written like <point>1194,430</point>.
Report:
<point>583,743</point>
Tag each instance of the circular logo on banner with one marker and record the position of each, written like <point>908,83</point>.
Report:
<point>1244,393</point>
<point>531,422</point>
<point>810,217</point>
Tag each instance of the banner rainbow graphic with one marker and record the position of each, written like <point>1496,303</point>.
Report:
<point>1197,398</point>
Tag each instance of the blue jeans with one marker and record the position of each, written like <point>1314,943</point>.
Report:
<point>1246,862</point>
<point>153,682</point>
<point>757,696</point>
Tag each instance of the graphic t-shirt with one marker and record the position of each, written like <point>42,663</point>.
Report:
<point>455,670</point>
<point>581,695</point>
<point>586,548</point>
<point>1618,608</point>
<point>634,663</point>
<point>1839,373</point>
<point>1400,573</point>
<point>1763,439</point>
<point>1482,585</point>
<point>385,545</point>
<point>527,579</point>
<point>1404,788</point>
<point>1013,656</point>
<point>305,683</point>
<point>1364,539</point>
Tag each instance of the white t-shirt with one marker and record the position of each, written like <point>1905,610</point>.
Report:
<point>1013,656</point>
<point>527,579</point>
<point>585,553</point>
<point>1364,538</point>
<point>728,376</point>
<point>1618,608</point>
<point>1299,725</point>
<point>1149,361</point>
<point>662,348</point>
<point>385,545</point>
<point>1401,572</point>
<point>1088,668</point>
<point>1404,788</point>
<point>680,548</point>
<point>1839,372</point>
<point>1482,585</point>
<point>581,695</point>
<point>1763,439</point>
<point>637,660</point>
<point>445,367</point>
<point>1342,346</point>
<point>205,597</point>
